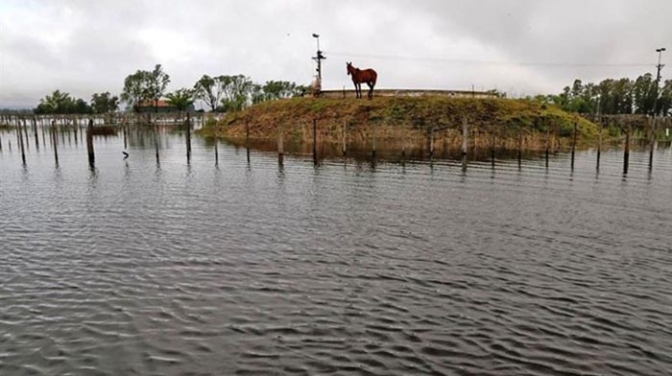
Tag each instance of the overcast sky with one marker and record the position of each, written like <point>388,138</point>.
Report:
<point>517,46</point>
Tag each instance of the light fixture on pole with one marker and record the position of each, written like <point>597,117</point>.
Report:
<point>317,36</point>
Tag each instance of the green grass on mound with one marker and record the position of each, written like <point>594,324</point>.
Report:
<point>414,114</point>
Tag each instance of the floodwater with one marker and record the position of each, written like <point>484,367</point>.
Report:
<point>345,268</point>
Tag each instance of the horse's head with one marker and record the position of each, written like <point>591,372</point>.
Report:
<point>349,68</point>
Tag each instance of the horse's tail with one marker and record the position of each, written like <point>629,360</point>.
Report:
<point>374,77</point>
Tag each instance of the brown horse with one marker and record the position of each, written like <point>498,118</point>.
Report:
<point>369,76</point>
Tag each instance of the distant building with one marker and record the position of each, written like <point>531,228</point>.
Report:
<point>160,106</point>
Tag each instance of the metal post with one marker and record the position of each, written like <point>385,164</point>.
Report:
<point>318,58</point>
<point>655,106</point>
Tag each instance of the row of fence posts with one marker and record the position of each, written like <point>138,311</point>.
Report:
<point>22,138</point>
<point>16,120</point>
<point>431,135</point>
<point>21,127</point>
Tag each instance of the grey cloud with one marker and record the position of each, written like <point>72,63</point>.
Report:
<point>412,43</point>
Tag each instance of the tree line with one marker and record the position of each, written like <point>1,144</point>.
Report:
<point>144,89</point>
<point>611,96</point>
<point>62,103</point>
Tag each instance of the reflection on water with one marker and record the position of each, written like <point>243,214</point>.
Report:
<point>346,267</point>
<point>390,151</point>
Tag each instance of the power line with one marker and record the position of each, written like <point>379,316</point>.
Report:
<point>486,62</point>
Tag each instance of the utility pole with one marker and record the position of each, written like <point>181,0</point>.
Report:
<point>655,108</point>
<point>318,58</point>
<point>660,67</point>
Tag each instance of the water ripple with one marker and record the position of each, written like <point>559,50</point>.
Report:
<point>250,269</point>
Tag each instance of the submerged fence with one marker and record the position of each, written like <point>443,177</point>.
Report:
<point>470,136</point>
<point>18,119</point>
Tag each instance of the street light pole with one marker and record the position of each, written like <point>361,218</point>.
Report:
<point>659,66</point>
<point>316,36</point>
<point>655,108</point>
<point>319,59</point>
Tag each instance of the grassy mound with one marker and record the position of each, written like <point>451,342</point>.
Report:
<point>408,118</point>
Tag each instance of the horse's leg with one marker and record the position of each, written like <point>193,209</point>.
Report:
<point>358,90</point>
<point>370,95</point>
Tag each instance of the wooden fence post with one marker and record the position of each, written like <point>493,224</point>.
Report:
<point>281,146</point>
<point>315,141</point>
<point>574,142</point>
<point>156,137</point>
<point>25,130</point>
<point>652,141</point>
<point>43,125</point>
<point>548,141</point>
<point>216,146</point>
<point>188,137</point>
<point>465,136</point>
<point>431,143</point>
<point>37,137</point>
<point>493,144</point>
<point>373,146</point>
<point>345,133</point>
<point>20,142</point>
<point>54,140</point>
<point>599,142</point>
<point>626,156</point>
<point>89,143</point>
<point>519,154</point>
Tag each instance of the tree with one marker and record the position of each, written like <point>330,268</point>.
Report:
<point>181,99</point>
<point>623,96</point>
<point>608,97</point>
<point>134,90</point>
<point>104,103</point>
<point>62,103</point>
<point>645,93</point>
<point>281,89</point>
<point>81,107</point>
<point>56,103</point>
<point>233,93</point>
<point>257,94</point>
<point>145,86</point>
<point>236,92</point>
<point>577,89</point>
<point>209,90</point>
<point>157,81</point>
<point>607,103</point>
<point>273,90</point>
<point>664,104</point>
